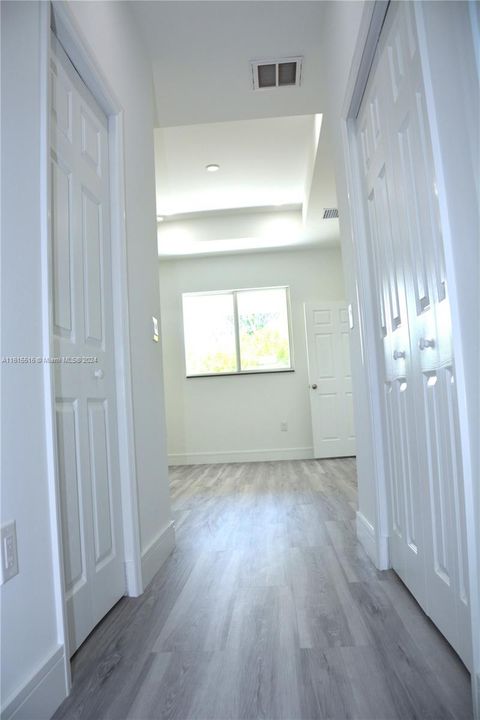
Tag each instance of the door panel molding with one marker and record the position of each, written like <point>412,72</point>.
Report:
<point>73,42</point>
<point>87,431</point>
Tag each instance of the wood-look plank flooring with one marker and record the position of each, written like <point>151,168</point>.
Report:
<point>268,608</point>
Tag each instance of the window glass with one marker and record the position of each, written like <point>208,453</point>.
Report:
<point>263,329</point>
<point>209,328</point>
<point>237,331</point>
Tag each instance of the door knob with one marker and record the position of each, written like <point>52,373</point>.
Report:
<point>398,354</point>
<point>98,374</point>
<point>314,386</point>
<point>426,343</point>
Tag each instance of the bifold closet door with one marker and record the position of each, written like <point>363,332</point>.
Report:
<point>413,322</point>
<point>83,340</point>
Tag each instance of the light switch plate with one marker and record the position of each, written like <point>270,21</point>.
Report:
<point>9,552</point>
<point>155,329</point>
<point>350,315</point>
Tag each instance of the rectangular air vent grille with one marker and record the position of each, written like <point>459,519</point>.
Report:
<point>330,213</point>
<point>286,72</point>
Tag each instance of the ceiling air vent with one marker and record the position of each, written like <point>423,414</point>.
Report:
<point>286,72</point>
<point>330,213</point>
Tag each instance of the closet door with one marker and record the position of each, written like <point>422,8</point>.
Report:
<point>393,332</point>
<point>83,336</point>
<point>424,466</point>
<point>428,306</point>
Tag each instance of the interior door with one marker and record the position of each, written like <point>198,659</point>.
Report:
<point>387,256</point>
<point>84,351</point>
<point>330,380</point>
<point>413,319</point>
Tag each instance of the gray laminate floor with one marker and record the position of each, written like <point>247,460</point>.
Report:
<point>268,608</point>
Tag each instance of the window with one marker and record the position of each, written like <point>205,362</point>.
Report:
<point>239,331</point>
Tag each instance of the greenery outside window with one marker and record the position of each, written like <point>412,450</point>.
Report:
<point>237,331</point>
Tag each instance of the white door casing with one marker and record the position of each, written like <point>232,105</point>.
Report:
<point>83,328</point>
<point>330,381</point>
<point>428,544</point>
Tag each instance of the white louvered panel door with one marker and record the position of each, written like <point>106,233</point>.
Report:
<point>424,461</point>
<point>390,292</point>
<point>420,228</point>
<point>83,328</point>
<point>330,379</point>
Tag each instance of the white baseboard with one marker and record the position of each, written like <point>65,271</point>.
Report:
<point>383,553</point>
<point>377,550</point>
<point>42,694</point>
<point>366,536</point>
<point>157,552</point>
<point>133,578</point>
<point>236,456</point>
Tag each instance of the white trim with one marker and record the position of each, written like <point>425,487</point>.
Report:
<point>82,57</point>
<point>370,30</point>
<point>366,536</point>
<point>42,693</point>
<point>123,368</point>
<point>157,552</point>
<point>213,457</point>
<point>474,10</point>
<point>377,552</point>
<point>383,551</point>
<point>48,351</point>
<point>370,350</point>
<point>367,41</point>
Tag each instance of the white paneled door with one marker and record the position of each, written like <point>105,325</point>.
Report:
<point>424,471</point>
<point>330,381</point>
<point>83,341</point>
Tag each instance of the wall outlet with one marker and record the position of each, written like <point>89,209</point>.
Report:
<point>284,426</point>
<point>9,552</point>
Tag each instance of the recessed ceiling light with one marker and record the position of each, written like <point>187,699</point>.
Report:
<point>213,167</point>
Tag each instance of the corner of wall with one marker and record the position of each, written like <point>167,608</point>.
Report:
<point>156,554</point>
<point>376,547</point>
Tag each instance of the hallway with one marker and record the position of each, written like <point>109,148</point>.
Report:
<point>268,608</point>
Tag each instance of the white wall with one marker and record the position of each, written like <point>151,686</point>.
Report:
<point>237,418</point>
<point>32,637</point>
<point>338,37</point>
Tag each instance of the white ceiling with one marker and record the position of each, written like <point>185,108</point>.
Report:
<point>201,53</point>
<point>262,163</point>
<point>266,142</point>
<point>241,231</point>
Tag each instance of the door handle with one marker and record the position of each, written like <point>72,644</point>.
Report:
<point>426,343</point>
<point>314,386</point>
<point>398,354</point>
<point>98,374</point>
